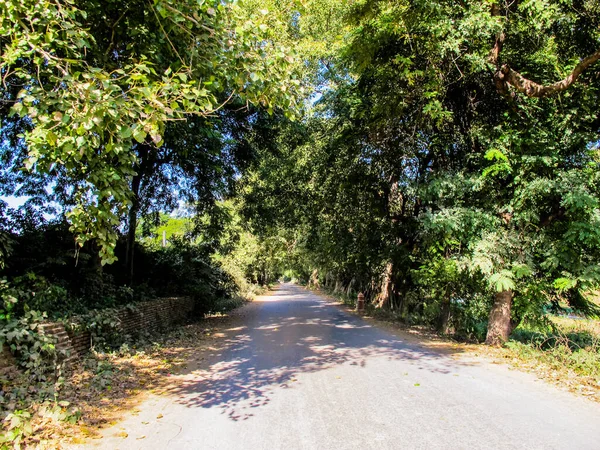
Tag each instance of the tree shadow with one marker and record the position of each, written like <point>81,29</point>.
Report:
<point>292,333</point>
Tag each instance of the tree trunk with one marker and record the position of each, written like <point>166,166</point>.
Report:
<point>444,317</point>
<point>145,162</point>
<point>383,300</point>
<point>402,305</point>
<point>132,225</point>
<point>349,288</point>
<point>96,262</point>
<point>314,279</point>
<point>499,325</point>
<point>328,280</point>
<point>338,286</point>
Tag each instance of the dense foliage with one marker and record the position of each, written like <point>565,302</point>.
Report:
<point>112,115</point>
<point>444,160</point>
<point>434,176</point>
<point>104,93</point>
<point>441,157</point>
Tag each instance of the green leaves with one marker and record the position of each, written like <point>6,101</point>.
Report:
<point>89,107</point>
<point>139,135</point>
<point>495,155</point>
<point>501,167</point>
<point>125,132</point>
<point>564,284</point>
<point>502,281</point>
<point>17,108</point>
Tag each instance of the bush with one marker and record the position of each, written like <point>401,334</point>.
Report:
<point>48,278</point>
<point>35,352</point>
<point>182,268</point>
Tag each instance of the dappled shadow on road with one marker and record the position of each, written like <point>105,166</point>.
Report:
<point>292,333</point>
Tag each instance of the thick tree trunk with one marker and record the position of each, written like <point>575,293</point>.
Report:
<point>385,295</point>
<point>314,279</point>
<point>444,317</point>
<point>499,325</point>
<point>132,225</point>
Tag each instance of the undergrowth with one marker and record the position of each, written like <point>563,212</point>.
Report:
<point>565,349</point>
<point>43,397</point>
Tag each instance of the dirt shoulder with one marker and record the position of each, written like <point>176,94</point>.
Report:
<point>101,387</point>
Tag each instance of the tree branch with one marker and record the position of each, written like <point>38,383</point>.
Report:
<point>507,76</point>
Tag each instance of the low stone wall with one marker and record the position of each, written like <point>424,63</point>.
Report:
<point>155,315</point>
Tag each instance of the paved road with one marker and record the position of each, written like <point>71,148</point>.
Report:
<point>300,373</point>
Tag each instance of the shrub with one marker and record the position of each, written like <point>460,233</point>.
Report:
<point>35,352</point>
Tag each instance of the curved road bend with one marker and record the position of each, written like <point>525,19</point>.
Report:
<point>299,373</point>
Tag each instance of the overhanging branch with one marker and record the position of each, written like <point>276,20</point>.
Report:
<point>507,76</point>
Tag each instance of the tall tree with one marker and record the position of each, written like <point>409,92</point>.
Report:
<point>474,168</point>
<point>96,79</point>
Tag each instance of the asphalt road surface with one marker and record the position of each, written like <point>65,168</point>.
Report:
<point>297,372</point>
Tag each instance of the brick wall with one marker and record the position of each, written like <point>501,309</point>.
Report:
<point>80,342</point>
<point>155,315</point>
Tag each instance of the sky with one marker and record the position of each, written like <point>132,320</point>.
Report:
<point>14,202</point>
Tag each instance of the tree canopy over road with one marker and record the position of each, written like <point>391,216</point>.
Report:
<point>449,168</point>
<point>442,157</point>
<point>439,156</point>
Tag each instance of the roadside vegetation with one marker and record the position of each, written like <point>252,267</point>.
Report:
<point>566,352</point>
<point>440,157</point>
<point>562,349</point>
<point>92,394</point>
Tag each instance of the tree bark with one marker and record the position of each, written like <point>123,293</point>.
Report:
<point>499,325</point>
<point>444,317</point>
<point>349,288</point>
<point>338,286</point>
<point>506,76</point>
<point>385,295</point>
<point>144,166</point>
<point>314,279</point>
<point>132,225</point>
